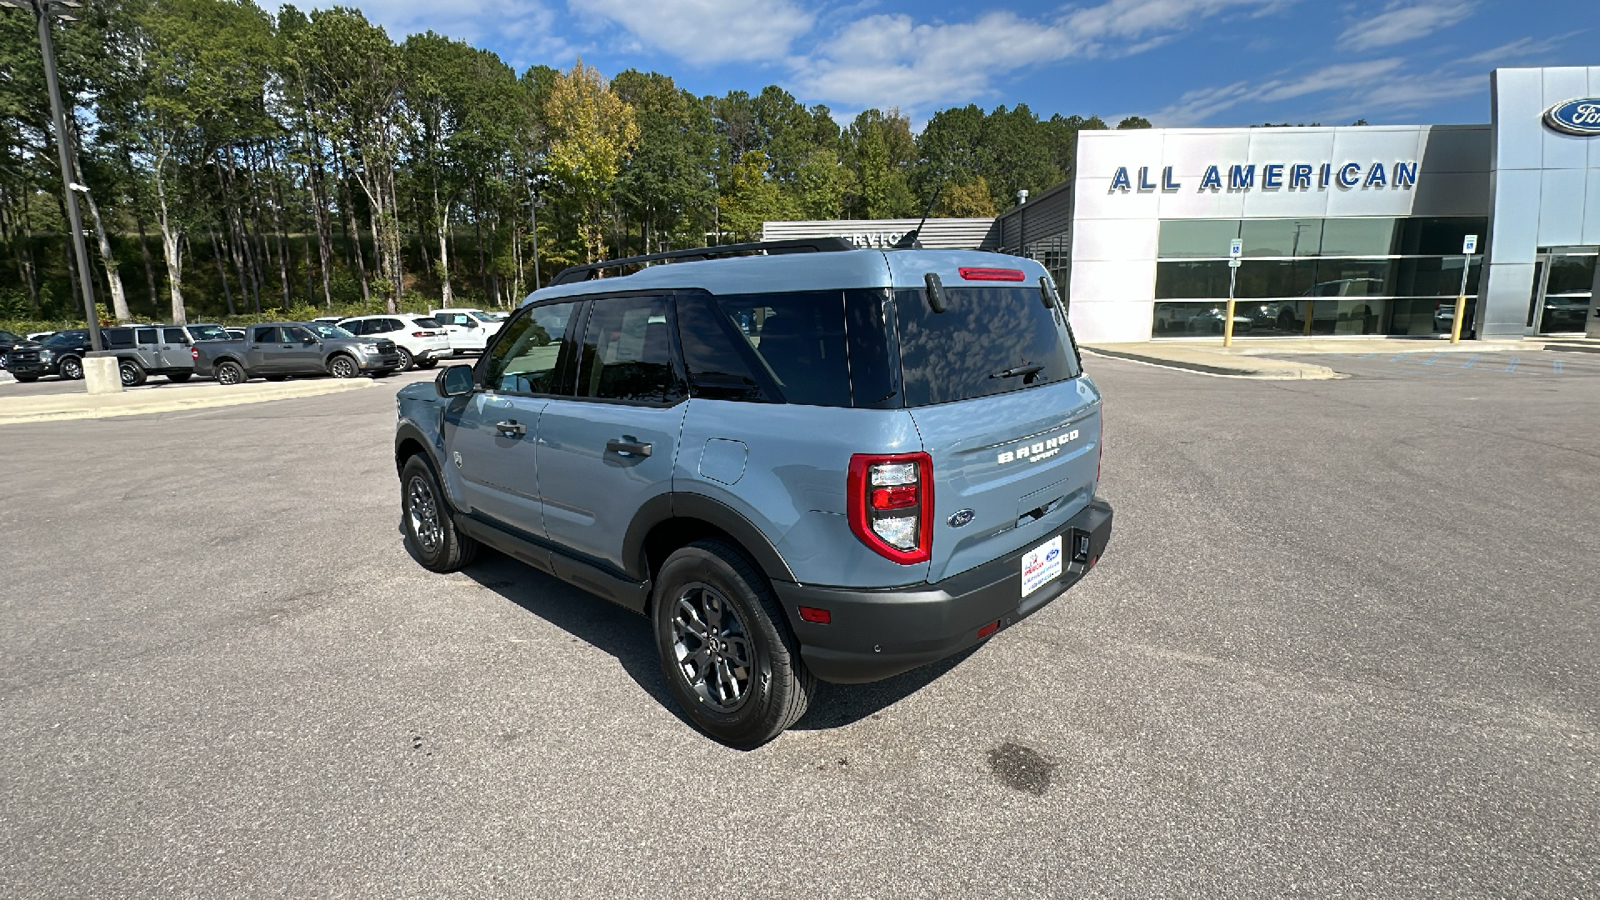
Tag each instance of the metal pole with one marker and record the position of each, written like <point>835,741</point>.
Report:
<point>1461,302</point>
<point>1227,323</point>
<point>41,10</point>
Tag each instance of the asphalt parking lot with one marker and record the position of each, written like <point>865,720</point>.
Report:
<point>1344,643</point>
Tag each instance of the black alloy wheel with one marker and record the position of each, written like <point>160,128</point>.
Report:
<point>726,649</point>
<point>342,366</point>
<point>132,375</point>
<point>230,373</point>
<point>430,534</point>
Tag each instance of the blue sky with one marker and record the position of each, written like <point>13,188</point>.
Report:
<point>1177,62</point>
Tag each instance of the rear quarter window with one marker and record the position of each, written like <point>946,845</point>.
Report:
<point>987,341</point>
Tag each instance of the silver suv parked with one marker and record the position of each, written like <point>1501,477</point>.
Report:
<point>839,464</point>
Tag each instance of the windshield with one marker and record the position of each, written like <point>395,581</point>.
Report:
<point>208,332</point>
<point>64,338</point>
<point>324,330</point>
<point>987,341</point>
<point>483,316</point>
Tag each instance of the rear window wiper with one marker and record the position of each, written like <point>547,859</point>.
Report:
<point>1014,371</point>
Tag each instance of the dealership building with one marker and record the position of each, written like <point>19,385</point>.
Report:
<point>1360,230</point>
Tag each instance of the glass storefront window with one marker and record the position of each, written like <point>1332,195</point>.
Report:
<point>1192,280</point>
<point>1570,275</point>
<point>1358,237</point>
<point>1281,237</point>
<point>1439,236</point>
<point>1275,277</point>
<point>1196,237</point>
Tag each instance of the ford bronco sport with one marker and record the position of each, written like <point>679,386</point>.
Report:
<point>839,464</point>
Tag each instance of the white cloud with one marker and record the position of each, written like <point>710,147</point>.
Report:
<point>705,32</point>
<point>895,61</point>
<point>529,28</point>
<point>1400,22</point>
<point>1344,79</point>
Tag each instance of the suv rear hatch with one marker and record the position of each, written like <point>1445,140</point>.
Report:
<point>1012,426</point>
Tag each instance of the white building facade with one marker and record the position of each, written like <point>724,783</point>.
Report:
<point>1355,230</point>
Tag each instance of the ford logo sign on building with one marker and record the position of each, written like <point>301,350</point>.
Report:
<point>1575,116</point>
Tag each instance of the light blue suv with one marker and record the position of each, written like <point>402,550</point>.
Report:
<point>837,464</point>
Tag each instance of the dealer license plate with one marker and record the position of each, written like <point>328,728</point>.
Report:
<point>1041,565</point>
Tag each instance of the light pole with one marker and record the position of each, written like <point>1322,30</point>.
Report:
<point>43,12</point>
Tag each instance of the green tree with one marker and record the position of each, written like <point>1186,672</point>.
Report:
<point>881,152</point>
<point>592,132</point>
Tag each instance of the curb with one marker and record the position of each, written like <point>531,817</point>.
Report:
<point>99,408</point>
<point>1290,372</point>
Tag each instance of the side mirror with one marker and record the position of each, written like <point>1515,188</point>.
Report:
<point>311,340</point>
<point>456,381</point>
<point>469,324</point>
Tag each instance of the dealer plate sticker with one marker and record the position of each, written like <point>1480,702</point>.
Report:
<point>1041,565</point>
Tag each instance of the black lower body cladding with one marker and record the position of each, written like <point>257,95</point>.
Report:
<point>874,634</point>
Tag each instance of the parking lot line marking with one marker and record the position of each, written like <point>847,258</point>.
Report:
<point>1512,366</point>
<point>1470,360</point>
<point>1429,360</point>
<point>1366,356</point>
<point>1401,356</point>
<point>1555,367</point>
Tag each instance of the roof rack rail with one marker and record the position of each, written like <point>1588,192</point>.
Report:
<point>798,245</point>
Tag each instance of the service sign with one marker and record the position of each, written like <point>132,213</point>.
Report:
<point>1581,117</point>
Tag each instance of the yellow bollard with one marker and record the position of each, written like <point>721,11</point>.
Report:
<point>1461,313</point>
<point>1227,326</point>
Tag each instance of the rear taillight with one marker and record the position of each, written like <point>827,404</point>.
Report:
<point>194,352</point>
<point>891,504</point>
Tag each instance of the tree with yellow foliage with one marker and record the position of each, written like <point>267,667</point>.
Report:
<point>592,132</point>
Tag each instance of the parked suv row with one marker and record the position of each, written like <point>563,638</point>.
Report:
<point>839,465</point>
<point>140,350</point>
<point>277,350</point>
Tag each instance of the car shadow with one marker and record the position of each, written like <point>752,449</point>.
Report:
<point>626,636</point>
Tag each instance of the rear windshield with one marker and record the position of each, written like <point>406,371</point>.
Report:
<point>425,323</point>
<point>989,340</point>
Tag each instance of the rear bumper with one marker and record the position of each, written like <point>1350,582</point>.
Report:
<point>875,634</point>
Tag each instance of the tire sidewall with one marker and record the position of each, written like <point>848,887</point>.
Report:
<point>130,373</point>
<point>418,467</point>
<point>407,361</point>
<point>696,564</point>
<point>334,365</point>
<point>71,368</point>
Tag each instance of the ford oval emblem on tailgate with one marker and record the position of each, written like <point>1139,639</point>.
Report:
<point>961,517</point>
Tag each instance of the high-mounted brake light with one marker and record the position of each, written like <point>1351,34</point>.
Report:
<point>890,504</point>
<point>992,274</point>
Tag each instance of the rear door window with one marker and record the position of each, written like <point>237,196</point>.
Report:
<point>174,336</point>
<point>627,352</point>
<point>988,340</point>
<point>145,335</point>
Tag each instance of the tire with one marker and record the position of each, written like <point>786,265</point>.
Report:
<point>407,361</point>
<point>71,368</point>
<point>711,602</point>
<point>342,366</point>
<point>131,373</point>
<point>179,377</point>
<point>230,372</point>
<point>427,363</point>
<point>431,535</point>
<point>276,377</point>
<point>1287,322</point>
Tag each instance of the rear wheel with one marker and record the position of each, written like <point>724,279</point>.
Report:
<point>71,368</point>
<point>431,535</point>
<point>230,373</point>
<point>725,646</point>
<point>343,367</point>
<point>406,359</point>
<point>132,375</point>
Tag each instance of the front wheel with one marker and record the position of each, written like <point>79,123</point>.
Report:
<point>431,535</point>
<point>726,649</point>
<point>72,368</point>
<point>132,375</point>
<point>343,367</point>
<point>230,373</point>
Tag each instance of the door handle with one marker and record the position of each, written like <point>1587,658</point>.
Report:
<point>510,428</point>
<point>628,446</point>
